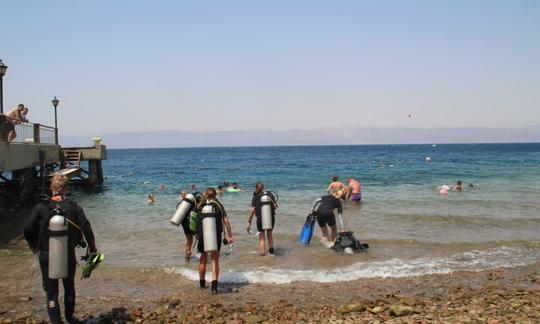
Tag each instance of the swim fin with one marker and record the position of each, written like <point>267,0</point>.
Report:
<point>92,261</point>
<point>307,230</point>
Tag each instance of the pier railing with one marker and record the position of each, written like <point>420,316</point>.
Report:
<point>28,132</point>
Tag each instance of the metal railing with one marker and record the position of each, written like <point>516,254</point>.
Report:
<point>27,132</point>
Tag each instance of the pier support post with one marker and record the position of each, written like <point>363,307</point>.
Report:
<point>95,172</point>
<point>23,180</point>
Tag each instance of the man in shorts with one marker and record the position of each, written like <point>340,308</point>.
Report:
<point>14,117</point>
<point>355,190</point>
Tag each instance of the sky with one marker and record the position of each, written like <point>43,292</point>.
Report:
<point>119,66</point>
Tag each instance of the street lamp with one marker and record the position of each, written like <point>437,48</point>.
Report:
<point>55,103</point>
<point>3,69</point>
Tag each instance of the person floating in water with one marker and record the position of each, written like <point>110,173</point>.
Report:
<point>256,210</point>
<point>337,185</point>
<point>225,184</point>
<point>323,209</point>
<point>151,199</point>
<point>458,186</point>
<point>234,188</point>
<point>355,190</point>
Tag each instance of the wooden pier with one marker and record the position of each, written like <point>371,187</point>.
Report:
<point>29,161</point>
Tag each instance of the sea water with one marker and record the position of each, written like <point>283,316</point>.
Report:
<point>410,228</point>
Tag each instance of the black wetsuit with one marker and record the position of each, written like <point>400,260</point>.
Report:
<point>36,234</point>
<point>220,213</point>
<point>257,204</point>
<point>324,210</point>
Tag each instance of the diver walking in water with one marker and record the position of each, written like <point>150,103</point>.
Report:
<point>323,208</point>
<point>263,206</point>
<point>212,217</point>
<point>58,263</point>
<point>189,223</point>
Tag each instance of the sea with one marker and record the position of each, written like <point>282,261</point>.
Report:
<point>411,229</point>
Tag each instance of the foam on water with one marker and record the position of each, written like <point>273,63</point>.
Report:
<point>475,260</point>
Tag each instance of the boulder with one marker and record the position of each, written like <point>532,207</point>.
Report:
<point>401,310</point>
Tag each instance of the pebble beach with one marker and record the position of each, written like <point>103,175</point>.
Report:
<point>139,295</point>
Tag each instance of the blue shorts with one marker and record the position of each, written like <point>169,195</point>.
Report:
<point>356,197</point>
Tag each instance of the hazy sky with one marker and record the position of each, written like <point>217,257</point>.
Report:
<point>149,65</point>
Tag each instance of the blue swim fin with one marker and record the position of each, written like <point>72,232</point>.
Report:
<point>307,230</point>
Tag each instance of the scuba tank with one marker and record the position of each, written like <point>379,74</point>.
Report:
<point>317,204</point>
<point>209,228</point>
<point>266,211</point>
<point>58,246</point>
<point>183,209</point>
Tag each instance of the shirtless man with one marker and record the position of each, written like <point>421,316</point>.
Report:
<point>15,116</point>
<point>355,190</point>
<point>337,185</point>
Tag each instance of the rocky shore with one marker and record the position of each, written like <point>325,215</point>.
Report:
<point>115,295</point>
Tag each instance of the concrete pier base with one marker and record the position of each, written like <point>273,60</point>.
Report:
<point>95,172</point>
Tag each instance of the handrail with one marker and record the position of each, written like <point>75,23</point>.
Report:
<point>27,132</point>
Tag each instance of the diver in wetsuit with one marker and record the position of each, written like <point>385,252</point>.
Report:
<point>36,233</point>
<point>209,198</point>
<point>323,208</point>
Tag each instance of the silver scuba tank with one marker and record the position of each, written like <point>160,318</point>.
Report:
<point>317,204</point>
<point>58,247</point>
<point>183,209</point>
<point>266,212</point>
<point>209,228</point>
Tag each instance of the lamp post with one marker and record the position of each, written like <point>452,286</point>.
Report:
<point>55,103</point>
<point>3,69</point>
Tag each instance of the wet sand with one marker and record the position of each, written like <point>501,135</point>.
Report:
<point>152,296</point>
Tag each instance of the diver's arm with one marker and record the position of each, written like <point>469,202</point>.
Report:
<point>339,206</point>
<point>340,213</point>
<point>86,229</point>
<point>30,230</point>
<point>250,217</point>
<point>229,230</point>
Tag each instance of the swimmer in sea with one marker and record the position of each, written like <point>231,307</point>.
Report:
<point>337,185</point>
<point>234,188</point>
<point>150,200</point>
<point>355,190</point>
<point>458,186</point>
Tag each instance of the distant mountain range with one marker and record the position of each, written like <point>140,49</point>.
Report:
<point>323,136</point>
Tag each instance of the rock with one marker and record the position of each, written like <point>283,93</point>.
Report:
<point>248,308</point>
<point>375,310</point>
<point>493,321</point>
<point>234,290</point>
<point>411,301</point>
<point>401,310</point>
<point>344,309</point>
<point>161,310</point>
<point>25,298</point>
<point>251,319</point>
<point>136,312</point>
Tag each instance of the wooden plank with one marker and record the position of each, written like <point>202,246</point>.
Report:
<point>72,172</point>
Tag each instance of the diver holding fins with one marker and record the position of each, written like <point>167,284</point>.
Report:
<point>56,226</point>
